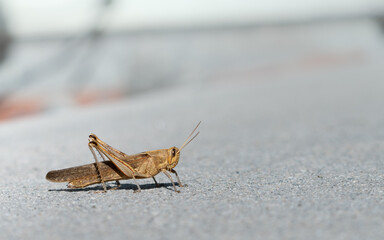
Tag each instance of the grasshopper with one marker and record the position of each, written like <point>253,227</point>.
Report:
<point>117,165</point>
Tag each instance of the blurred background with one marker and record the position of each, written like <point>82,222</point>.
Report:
<point>67,53</point>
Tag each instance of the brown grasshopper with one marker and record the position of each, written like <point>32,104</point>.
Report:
<point>121,166</point>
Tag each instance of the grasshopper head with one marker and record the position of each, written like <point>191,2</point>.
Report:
<point>173,157</point>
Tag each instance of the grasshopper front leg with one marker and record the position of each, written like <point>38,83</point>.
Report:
<point>170,178</point>
<point>178,179</point>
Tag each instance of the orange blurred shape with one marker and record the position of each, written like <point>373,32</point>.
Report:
<point>98,96</point>
<point>18,108</point>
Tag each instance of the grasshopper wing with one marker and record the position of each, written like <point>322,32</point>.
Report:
<point>88,171</point>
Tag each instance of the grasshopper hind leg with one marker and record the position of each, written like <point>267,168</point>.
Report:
<point>112,188</point>
<point>90,145</point>
<point>113,155</point>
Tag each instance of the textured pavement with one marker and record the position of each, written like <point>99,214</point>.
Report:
<point>289,156</point>
<point>293,159</point>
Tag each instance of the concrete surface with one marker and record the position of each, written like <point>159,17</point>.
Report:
<point>288,157</point>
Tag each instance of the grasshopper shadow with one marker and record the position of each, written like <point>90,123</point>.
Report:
<point>123,186</point>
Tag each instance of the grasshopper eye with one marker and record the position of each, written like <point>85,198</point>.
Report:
<point>173,152</point>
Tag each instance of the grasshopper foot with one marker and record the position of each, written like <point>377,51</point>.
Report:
<point>100,191</point>
<point>138,189</point>
<point>116,187</point>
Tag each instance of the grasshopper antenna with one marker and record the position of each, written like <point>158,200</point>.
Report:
<point>186,141</point>
<point>189,141</point>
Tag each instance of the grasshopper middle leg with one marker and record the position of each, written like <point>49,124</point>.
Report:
<point>117,185</point>
<point>156,183</point>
